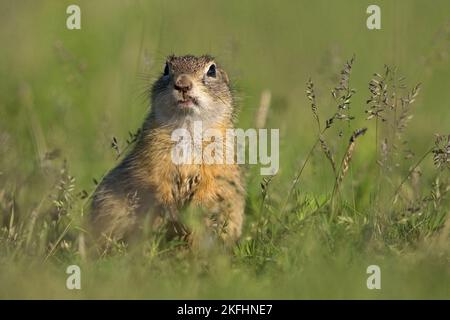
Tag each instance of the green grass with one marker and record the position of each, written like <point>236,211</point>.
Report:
<point>65,94</point>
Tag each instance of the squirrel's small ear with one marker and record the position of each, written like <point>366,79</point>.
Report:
<point>166,69</point>
<point>225,76</point>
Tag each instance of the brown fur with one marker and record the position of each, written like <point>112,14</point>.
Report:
<point>148,183</point>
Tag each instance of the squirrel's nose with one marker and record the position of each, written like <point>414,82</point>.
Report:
<point>183,83</point>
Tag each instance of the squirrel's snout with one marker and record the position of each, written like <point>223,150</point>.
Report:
<point>183,83</point>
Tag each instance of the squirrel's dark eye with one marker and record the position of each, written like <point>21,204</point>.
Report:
<point>211,71</point>
<point>166,69</point>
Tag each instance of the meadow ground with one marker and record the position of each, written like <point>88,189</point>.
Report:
<point>343,199</point>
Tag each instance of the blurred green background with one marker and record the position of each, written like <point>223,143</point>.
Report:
<point>65,94</point>
<point>87,85</point>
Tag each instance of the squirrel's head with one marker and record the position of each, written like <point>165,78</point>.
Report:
<point>193,87</point>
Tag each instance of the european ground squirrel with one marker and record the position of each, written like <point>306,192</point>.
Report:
<point>148,184</point>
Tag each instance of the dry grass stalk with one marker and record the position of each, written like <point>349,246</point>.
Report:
<point>388,104</point>
<point>441,152</point>
<point>348,154</point>
<point>265,190</point>
<point>383,93</point>
<point>263,110</point>
<point>312,97</point>
<point>405,115</point>
<point>342,94</point>
<point>328,153</point>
